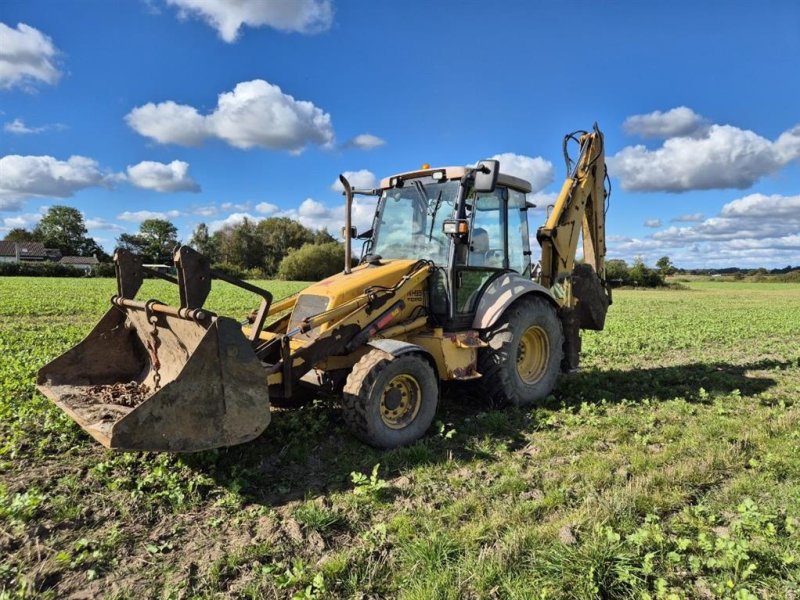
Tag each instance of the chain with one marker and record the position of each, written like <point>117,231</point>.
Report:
<point>154,351</point>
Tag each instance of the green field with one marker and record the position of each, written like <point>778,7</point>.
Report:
<point>668,468</point>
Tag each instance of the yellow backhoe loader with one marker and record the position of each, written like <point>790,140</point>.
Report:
<point>445,290</point>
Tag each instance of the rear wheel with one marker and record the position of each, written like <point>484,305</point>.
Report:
<point>522,363</point>
<point>388,400</point>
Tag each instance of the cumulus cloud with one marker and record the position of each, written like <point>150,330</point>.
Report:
<point>536,170</point>
<point>18,127</point>
<point>24,220</point>
<point>255,114</point>
<point>654,223</point>
<point>756,230</point>
<point>756,216</point>
<point>680,121</point>
<point>316,215</point>
<point>168,123</point>
<point>362,179</point>
<point>690,218</point>
<point>23,177</point>
<point>172,177</point>
<point>26,57</point>
<point>722,157</point>
<point>142,215</point>
<point>304,16</point>
<point>266,208</point>
<point>232,219</point>
<point>365,141</point>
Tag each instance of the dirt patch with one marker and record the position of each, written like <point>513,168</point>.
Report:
<point>123,394</point>
<point>106,403</point>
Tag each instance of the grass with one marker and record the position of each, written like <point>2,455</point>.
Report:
<point>669,467</point>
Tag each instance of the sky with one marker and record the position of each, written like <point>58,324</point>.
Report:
<point>216,110</point>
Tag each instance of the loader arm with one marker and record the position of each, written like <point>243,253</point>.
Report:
<point>580,208</point>
<point>344,329</point>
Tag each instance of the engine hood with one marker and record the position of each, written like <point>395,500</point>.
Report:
<point>342,287</point>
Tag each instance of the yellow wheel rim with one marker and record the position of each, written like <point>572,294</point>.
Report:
<point>533,355</point>
<point>400,401</point>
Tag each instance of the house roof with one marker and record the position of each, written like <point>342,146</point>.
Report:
<point>35,250</point>
<point>79,260</point>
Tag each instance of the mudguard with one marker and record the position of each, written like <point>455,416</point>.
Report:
<point>500,293</point>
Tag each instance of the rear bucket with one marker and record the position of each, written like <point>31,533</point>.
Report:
<point>152,380</point>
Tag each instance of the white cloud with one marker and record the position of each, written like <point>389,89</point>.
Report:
<point>362,179</point>
<point>753,231</point>
<point>255,113</point>
<point>759,206</point>
<point>168,123</point>
<point>26,57</point>
<point>680,121</point>
<point>316,215</point>
<point>172,177</point>
<point>365,141</point>
<point>654,223</point>
<point>18,127</point>
<point>236,206</point>
<point>232,219</point>
<point>722,157</point>
<point>536,170</point>
<point>227,17</point>
<point>141,215</point>
<point>690,218</point>
<point>205,211</point>
<point>24,177</point>
<point>102,224</point>
<point>25,220</point>
<point>266,208</point>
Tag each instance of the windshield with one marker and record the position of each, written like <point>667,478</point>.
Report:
<point>410,220</point>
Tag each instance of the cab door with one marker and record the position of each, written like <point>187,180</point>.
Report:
<point>484,257</point>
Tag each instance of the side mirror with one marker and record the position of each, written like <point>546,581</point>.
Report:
<point>486,176</point>
<point>353,232</point>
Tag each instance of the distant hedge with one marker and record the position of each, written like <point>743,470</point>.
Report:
<point>43,269</point>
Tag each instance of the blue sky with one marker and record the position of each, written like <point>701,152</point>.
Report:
<point>212,110</point>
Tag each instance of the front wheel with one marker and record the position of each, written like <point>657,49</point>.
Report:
<point>523,360</point>
<point>390,401</point>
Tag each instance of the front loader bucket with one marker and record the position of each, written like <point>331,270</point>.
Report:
<point>151,377</point>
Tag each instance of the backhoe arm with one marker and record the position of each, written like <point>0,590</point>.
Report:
<point>580,208</point>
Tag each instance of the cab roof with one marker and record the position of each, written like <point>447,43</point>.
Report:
<point>457,173</point>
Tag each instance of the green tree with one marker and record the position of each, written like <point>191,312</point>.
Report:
<point>19,234</point>
<point>642,275</point>
<point>665,266</point>
<point>155,241</point>
<point>204,243</point>
<point>63,227</point>
<point>617,271</point>
<point>280,235</point>
<point>312,262</point>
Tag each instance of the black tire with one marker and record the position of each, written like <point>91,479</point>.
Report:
<point>390,401</point>
<point>523,360</point>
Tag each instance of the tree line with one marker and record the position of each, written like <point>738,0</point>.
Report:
<point>61,228</point>
<point>271,247</point>
<point>265,246</point>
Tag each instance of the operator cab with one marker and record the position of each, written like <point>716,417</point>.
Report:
<point>471,224</point>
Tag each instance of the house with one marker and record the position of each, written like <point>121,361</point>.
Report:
<point>22,251</point>
<point>85,263</point>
